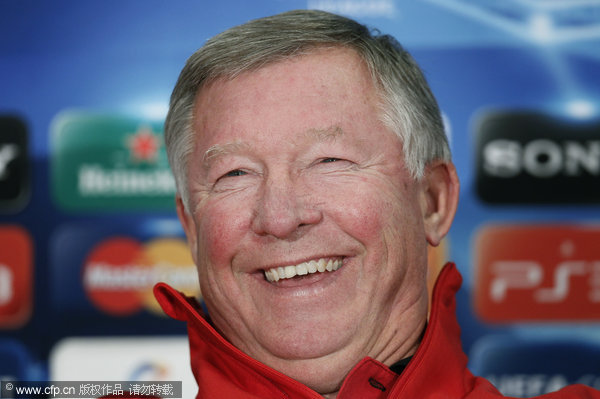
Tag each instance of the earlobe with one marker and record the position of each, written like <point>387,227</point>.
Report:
<point>187,221</point>
<point>440,190</point>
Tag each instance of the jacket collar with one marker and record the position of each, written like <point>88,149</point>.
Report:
<point>219,367</point>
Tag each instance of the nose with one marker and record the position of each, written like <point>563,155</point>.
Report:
<point>284,209</point>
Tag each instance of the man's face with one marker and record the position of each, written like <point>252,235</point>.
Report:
<point>293,171</point>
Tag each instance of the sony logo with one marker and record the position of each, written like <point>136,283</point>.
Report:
<point>14,164</point>
<point>541,158</point>
<point>527,157</point>
<point>8,153</point>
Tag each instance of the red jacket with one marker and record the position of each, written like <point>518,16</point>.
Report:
<point>438,369</point>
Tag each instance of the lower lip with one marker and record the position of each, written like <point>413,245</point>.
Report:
<point>298,281</point>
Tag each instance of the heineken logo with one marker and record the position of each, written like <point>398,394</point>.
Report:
<point>143,145</point>
<point>109,162</point>
<point>94,180</point>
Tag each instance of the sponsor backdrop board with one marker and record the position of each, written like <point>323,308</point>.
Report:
<point>145,358</point>
<point>87,219</point>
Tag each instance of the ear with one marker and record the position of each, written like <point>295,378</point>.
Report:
<point>439,199</point>
<point>189,226</point>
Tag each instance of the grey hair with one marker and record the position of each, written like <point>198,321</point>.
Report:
<point>408,107</point>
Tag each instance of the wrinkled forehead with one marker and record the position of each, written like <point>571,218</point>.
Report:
<point>331,66</point>
<point>219,74</point>
<point>338,74</point>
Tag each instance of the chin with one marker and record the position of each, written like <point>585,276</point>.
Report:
<point>307,341</point>
<point>323,375</point>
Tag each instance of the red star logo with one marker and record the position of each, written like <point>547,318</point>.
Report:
<point>143,145</point>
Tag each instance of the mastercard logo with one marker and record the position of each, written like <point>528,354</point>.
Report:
<point>120,273</point>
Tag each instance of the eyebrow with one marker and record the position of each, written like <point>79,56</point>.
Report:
<point>219,150</point>
<point>328,134</point>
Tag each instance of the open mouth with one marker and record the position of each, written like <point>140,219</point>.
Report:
<point>314,266</point>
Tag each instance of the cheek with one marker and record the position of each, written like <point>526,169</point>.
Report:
<point>363,217</point>
<point>219,231</point>
<point>364,220</point>
<point>376,214</point>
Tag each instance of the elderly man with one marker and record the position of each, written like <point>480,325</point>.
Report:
<point>313,172</point>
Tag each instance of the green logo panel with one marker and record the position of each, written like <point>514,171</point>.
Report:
<point>104,162</point>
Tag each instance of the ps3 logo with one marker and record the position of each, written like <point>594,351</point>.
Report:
<point>6,285</point>
<point>537,272</point>
<point>16,276</point>
<point>529,275</point>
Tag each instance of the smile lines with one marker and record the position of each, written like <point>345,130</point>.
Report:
<point>322,265</point>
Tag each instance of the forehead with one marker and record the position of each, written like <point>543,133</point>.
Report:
<point>328,88</point>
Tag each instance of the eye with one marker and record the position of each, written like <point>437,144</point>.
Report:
<point>333,164</point>
<point>329,160</point>
<point>231,173</point>
<point>232,181</point>
<point>234,173</point>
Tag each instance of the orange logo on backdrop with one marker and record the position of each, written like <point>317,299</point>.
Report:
<point>537,273</point>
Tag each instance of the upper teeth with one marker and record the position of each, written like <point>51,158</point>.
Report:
<point>313,266</point>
